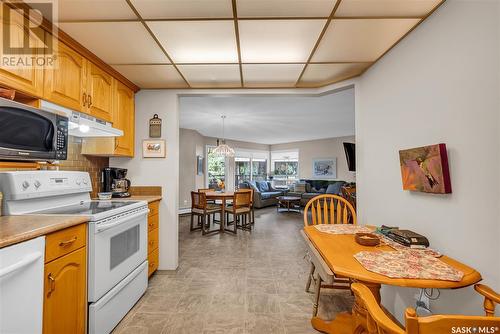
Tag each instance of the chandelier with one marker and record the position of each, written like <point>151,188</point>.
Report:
<point>222,149</point>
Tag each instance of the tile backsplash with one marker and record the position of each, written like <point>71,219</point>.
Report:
<point>92,165</point>
<point>76,161</point>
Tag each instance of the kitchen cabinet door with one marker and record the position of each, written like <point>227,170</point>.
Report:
<point>65,84</point>
<point>65,294</point>
<point>123,119</point>
<point>27,79</point>
<point>100,93</point>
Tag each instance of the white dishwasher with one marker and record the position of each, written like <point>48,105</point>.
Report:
<point>21,287</point>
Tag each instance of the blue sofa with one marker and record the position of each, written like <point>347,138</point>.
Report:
<point>263,193</point>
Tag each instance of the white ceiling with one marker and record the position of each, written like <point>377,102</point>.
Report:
<point>270,119</point>
<point>240,43</point>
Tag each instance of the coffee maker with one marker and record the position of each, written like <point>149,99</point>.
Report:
<point>114,181</point>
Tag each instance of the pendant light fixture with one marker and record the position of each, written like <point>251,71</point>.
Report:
<point>222,149</point>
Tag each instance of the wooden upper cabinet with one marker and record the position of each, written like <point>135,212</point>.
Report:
<point>99,93</point>
<point>123,118</point>
<point>65,294</point>
<point>66,83</point>
<point>27,79</point>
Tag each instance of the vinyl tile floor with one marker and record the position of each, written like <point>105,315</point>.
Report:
<point>249,283</point>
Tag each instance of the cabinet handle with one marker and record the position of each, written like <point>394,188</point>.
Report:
<point>67,242</point>
<point>90,100</point>
<point>84,99</point>
<point>52,283</point>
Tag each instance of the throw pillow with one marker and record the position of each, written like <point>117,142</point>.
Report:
<point>334,188</point>
<point>262,185</point>
<point>300,188</point>
<point>308,187</point>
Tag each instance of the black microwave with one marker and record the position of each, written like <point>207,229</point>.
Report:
<point>28,133</point>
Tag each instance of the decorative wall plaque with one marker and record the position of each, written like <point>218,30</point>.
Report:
<point>155,127</point>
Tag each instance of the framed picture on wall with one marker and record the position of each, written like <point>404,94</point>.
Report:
<point>324,168</point>
<point>153,148</point>
<point>199,165</point>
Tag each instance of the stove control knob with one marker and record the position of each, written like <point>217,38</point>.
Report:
<point>37,184</point>
<point>26,185</point>
<point>78,182</point>
<point>85,182</point>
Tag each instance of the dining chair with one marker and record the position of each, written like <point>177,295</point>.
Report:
<point>326,209</point>
<point>378,322</point>
<point>252,210</point>
<point>241,210</point>
<point>203,210</point>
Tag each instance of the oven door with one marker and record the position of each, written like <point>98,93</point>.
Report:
<point>118,245</point>
<point>27,133</point>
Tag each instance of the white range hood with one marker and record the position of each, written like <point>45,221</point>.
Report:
<point>83,125</point>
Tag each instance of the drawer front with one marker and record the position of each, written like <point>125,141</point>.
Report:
<point>154,208</point>
<point>153,262</point>
<point>152,240</point>
<point>65,241</point>
<point>153,222</point>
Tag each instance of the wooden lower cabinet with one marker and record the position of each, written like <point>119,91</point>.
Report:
<point>153,237</point>
<point>65,293</point>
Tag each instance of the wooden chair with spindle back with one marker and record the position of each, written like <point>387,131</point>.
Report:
<point>203,210</point>
<point>378,322</point>
<point>240,209</point>
<point>326,209</point>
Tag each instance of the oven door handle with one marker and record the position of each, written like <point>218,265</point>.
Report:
<point>104,227</point>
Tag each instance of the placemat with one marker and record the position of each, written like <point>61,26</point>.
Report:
<point>408,264</point>
<point>342,228</point>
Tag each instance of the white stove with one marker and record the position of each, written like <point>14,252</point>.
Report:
<point>117,236</point>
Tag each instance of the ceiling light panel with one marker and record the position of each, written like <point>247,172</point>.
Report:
<point>386,8</point>
<point>168,9</point>
<point>117,42</point>
<point>360,40</point>
<point>322,74</point>
<point>285,8</point>
<point>271,75</point>
<point>87,10</point>
<point>197,41</point>
<point>281,41</point>
<point>152,76</point>
<point>211,75</point>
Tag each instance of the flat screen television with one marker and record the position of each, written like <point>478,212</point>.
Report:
<point>350,154</point>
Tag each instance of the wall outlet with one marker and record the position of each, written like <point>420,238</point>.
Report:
<point>185,201</point>
<point>423,306</point>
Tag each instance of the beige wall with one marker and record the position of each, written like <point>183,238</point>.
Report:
<point>323,148</point>
<point>191,144</point>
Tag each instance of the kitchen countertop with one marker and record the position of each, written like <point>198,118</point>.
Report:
<point>14,229</point>
<point>147,198</point>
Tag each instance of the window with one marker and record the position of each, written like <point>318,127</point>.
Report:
<point>241,170</point>
<point>216,169</point>
<point>259,169</point>
<point>285,166</point>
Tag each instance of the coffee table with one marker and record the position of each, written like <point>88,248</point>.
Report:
<point>288,204</point>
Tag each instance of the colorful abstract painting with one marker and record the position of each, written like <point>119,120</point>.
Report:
<point>425,169</point>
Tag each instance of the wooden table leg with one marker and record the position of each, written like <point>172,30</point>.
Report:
<point>348,322</point>
<point>223,216</point>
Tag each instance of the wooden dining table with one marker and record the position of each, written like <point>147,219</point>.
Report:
<point>223,197</point>
<point>338,250</point>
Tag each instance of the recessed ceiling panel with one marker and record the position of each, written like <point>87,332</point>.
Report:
<point>285,8</point>
<point>197,41</point>
<point>360,40</point>
<point>386,8</point>
<point>323,74</point>
<point>278,40</point>
<point>117,42</point>
<point>76,10</point>
<point>208,76</point>
<point>167,9</point>
<point>271,75</point>
<point>152,76</point>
